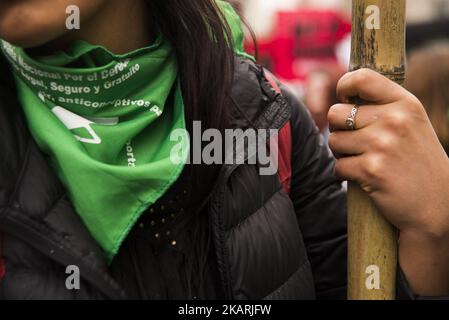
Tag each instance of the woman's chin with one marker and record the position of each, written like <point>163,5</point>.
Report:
<point>28,30</point>
<point>27,37</point>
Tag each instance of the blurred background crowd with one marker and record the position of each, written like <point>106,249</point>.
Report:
<point>306,43</point>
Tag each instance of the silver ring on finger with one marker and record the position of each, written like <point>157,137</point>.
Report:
<point>350,121</point>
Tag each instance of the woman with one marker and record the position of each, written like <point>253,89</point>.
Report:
<point>87,183</point>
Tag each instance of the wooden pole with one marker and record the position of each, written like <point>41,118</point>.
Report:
<point>378,43</point>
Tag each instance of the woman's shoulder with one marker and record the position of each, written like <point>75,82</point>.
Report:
<point>252,92</point>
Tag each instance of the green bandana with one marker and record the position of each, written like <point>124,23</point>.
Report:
<point>105,121</point>
<point>106,128</point>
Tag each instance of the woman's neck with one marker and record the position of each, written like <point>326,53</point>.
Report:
<point>119,26</point>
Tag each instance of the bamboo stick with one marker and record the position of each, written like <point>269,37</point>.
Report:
<point>372,241</point>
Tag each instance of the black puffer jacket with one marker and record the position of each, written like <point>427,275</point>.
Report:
<point>268,245</point>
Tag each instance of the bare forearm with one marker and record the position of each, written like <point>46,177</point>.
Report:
<point>425,262</point>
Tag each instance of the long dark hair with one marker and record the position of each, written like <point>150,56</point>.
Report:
<point>202,39</point>
<point>203,43</point>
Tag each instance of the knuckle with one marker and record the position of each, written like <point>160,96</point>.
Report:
<point>383,142</point>
<point>414,105</point>
<point>362,76</point>
<point>373,167</point>
<point>397,119</point>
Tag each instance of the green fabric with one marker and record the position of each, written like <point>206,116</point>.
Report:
<point>235,24</point>
<point>105,120</point>
<point>105,125</point>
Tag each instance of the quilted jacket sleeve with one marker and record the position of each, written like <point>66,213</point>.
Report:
<point>320,203</point>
